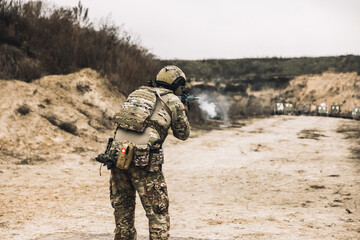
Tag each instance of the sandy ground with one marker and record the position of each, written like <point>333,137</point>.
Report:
<point>282,177</point>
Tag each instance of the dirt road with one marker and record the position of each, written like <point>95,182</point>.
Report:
<point>277,178</point>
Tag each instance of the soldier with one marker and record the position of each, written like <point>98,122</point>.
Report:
<point>143,124</point>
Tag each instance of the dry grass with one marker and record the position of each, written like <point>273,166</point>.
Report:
<point>68,127</point>
<point>63,125</point>
<point>310,134</point>
<point>352,131</point>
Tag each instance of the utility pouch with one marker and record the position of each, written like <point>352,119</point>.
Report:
<point>141,155</point>
<point>156,159</point>
<point>125,155</point>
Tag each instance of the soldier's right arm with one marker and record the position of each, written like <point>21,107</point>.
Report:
<point>179,121</point>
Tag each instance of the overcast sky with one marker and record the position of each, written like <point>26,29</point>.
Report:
<point>203,29</point>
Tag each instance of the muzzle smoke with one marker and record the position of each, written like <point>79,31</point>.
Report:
<point>208,108</point>
<point>214,107</point>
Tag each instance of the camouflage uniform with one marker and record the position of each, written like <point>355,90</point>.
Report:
<point>147,179</point>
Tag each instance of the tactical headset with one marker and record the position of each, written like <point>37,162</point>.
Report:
<point>179,81</point>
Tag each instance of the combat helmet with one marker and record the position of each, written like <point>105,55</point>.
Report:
<point>171,77</point>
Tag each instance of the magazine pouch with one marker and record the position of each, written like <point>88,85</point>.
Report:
<point>141,155</point>
<point>156,159</point>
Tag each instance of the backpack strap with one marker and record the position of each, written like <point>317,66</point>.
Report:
<point>163,102</point>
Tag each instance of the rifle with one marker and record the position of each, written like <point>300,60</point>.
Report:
<point>186,98</point>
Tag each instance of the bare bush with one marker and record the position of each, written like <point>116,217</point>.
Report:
<point>238,87</point>
<point>83,87</point>
<point>17,65</point>
<point>23,109</point>
<point>68,43</point>
<point>249,107</point>
<point>106,121</point>
<point>68,127</point>
<point>30,160</point>
<point>47,101</point>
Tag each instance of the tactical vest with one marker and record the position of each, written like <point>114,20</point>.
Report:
<point>136,112</point>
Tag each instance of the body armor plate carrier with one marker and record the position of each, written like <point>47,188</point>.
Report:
<point>136,112</point>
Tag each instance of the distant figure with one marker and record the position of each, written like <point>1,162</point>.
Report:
<point>142,127</point>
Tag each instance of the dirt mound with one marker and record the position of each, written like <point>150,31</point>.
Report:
<point>330,88</point>
<point>60,114</point>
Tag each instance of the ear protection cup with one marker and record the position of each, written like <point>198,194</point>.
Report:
<point>170,77</point>
<point>180,81</point>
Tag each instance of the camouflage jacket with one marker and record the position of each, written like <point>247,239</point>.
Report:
<point>143,104</point>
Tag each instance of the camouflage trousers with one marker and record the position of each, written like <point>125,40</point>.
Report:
<point>152,190</point>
